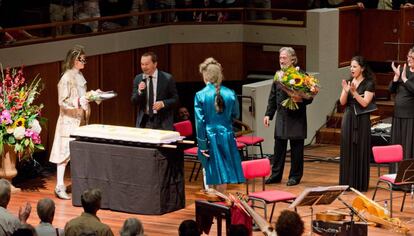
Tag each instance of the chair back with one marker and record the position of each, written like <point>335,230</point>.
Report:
<point>256,168</point>
<point>388,153</point>
<point>185,128</point>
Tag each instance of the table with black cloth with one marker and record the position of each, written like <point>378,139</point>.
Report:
<point>143,180</point>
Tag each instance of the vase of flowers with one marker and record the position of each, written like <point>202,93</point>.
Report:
<point>19,117</point>
<point>295,82</point>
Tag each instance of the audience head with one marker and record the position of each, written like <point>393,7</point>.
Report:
<point>360,65</point>
<point>149,63</point>
<point>183,114</point>
<point>46,210</point>
<point>238,230</point>
<point>287,57</point>
<point>74,58</point>
<point>132,227</point>
<point>25,230</point>
<point>289,223</point>
<point>5,191</point>
<point>91,200</point>
<point>189,228</point>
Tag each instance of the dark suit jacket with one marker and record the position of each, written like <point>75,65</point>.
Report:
<point>290,124</point>
<point>166,92</point>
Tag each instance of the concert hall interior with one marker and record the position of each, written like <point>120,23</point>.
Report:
<point>246,40</point>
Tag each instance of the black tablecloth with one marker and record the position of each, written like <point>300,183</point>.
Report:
<point>132,179</point>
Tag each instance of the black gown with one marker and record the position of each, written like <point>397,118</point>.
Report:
<point>402,131</point>
<point>356,143</point>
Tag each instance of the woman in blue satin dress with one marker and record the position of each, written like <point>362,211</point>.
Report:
<point>215,107</point>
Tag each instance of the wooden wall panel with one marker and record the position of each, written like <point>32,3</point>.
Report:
<point>91,72</point>
<point>50,74</point>
<point>185,58</point>
<point>118,75</point>
<point>349,28</point>
<point>378,28</point>
<point>407,32</point>
<point>259,61</point>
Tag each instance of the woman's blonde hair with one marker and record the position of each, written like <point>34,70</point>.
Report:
<point>213,73</point>
<point>72,55</point>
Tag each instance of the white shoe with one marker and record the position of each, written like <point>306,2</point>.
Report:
<point>60,192</point>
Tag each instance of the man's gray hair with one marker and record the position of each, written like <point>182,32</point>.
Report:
<point>46,210</point>
<point>132,227</point>
<point>291,52</point>
<point>5,191</point>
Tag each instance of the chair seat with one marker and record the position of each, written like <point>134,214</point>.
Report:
<point>390,178</point>
<point>191,151</point>
<point>240,145</point>
<point>273,195</point>
<point>249,140</point>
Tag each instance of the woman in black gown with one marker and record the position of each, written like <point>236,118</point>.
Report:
<point>402,131</point>
<point>356,129</point>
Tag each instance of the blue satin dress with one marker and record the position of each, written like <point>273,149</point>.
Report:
<point>215,134</point>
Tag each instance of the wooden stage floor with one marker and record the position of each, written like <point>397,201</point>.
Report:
<point>317,173</point>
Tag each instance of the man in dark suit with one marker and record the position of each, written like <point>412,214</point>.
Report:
<point>155,94</point>
<point>290,125</point>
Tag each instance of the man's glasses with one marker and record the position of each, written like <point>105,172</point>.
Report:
<point>410,57</point>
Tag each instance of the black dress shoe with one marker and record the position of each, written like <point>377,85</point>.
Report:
<point>292,182</point>
<point>273,180</point>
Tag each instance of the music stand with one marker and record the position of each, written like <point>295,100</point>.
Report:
<point>318,196</point>
<point>405,173</point>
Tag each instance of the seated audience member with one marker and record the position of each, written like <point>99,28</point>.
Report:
<point>8,222</point>
<point>238,230</point>
<point>61,10</point>
<point>182,114</point>
<point>385,4</point>
<point>88,221</point>
<point>138,6</point>
<point>189,228</point>
<point>132,227</point>
<point>84,10</point>
<point>26,230</point>
<point>46,213</point>
<point>289,223</point>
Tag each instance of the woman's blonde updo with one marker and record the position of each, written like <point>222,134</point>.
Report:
<point>71,57</point>
<point>213,73</point>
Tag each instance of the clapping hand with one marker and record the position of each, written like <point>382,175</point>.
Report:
<point>352,88</point>
<point>396,70</point>
<point>404,73</point>
<point>345,85</point>
<point>25,213</point>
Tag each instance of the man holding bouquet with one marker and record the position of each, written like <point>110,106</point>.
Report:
<point>291,121</point>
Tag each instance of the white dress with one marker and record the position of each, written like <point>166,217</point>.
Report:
<point>71,87</point>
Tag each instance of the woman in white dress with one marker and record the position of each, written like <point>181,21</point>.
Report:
<point>74,112</point>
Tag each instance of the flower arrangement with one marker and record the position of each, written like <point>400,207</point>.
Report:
<point>19,116</point>
<point>296,83</point>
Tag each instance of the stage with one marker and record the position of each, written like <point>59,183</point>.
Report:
<point>323,172</point>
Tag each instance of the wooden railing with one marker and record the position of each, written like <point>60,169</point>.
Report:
<point>46,32</point>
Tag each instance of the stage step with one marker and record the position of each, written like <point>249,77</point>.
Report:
<point>332,133</point>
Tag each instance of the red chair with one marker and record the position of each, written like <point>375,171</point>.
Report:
<point>260,168</point>
<point>392,154</point>
<point>251,141</point>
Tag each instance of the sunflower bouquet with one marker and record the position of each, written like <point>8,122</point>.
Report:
<point>296,83</point>
<point>19,117</point>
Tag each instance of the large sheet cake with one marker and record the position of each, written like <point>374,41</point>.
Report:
<point>124,133</point>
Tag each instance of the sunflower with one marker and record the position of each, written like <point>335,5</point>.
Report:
<point>298,81</point>
<point>19,122</point>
